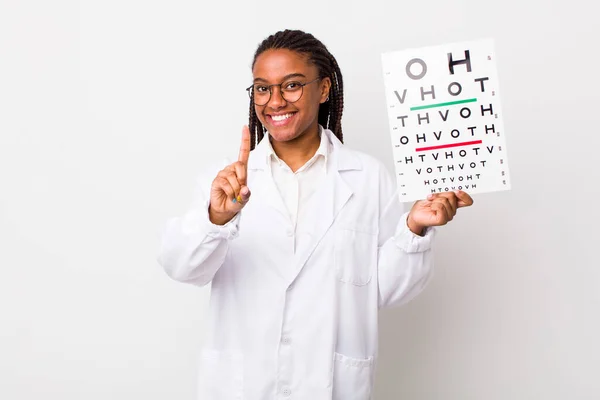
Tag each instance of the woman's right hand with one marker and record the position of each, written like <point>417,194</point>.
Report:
<point>229,193</point>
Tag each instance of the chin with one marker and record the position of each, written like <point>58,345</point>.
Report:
<point>283,135</point>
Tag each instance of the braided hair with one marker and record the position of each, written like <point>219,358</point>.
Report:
<point>330,112</point>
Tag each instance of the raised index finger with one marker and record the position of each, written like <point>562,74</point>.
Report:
<point>245,146</point>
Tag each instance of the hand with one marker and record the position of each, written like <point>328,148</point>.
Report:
<point>438,209</point>
<point>229,193</point>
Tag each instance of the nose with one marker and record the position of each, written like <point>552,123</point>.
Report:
<point>276,101</point>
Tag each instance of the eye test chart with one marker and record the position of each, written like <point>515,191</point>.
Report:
<point>445,119</point>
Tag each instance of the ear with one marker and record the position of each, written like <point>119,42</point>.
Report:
<point>325,88</point>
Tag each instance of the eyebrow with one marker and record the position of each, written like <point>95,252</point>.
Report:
<point>285,78</point>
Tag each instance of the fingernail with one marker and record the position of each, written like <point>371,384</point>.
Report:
<point>244,191</point>
<point>239,199</point>
<point>234,200</point>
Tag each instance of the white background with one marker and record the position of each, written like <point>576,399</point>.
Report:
<point>108,110</point>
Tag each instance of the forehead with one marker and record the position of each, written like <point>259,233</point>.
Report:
<point>275,64</point>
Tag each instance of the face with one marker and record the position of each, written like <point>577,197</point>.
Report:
<point>287,121</point>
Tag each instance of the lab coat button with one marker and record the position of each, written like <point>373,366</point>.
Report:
<point>286,340</point>
<point>286,392</point>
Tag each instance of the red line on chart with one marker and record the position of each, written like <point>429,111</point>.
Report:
<point>445,146</point>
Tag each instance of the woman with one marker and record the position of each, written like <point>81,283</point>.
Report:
<point>301,239</point>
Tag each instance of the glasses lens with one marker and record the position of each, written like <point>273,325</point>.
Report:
<point>292,91</point>
<point>261,94</point>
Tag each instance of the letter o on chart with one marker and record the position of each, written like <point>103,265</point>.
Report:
<point>409,69</point>
<point>458,90</point>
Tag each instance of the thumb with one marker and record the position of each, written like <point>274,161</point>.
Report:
<point>245,194</point>
<point>464,200</point>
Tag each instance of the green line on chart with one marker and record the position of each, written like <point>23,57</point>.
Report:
<point>450,103</point>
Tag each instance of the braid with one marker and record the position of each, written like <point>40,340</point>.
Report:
<point>257,131</point>
<point>252,126</point>
<point>330,112</point>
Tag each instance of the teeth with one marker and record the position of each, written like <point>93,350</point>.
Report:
<point>281,117</point>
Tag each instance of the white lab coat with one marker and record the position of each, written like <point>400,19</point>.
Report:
<point>299,325</point>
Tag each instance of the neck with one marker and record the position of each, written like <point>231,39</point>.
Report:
<point>295,153</point>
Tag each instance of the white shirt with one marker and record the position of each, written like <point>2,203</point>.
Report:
<point>296,188</point>
<point>296,317</point>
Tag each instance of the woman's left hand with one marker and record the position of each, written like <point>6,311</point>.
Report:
<point>438,209</point>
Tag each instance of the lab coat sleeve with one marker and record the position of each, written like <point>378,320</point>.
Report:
<point>405,260</point>
<point>192,248</point>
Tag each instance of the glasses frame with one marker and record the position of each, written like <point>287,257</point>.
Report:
<point>250,91</point>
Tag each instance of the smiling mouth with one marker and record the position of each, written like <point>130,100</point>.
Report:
<point>282,119</point>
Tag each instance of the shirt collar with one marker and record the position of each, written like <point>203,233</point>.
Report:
<point>340,157</point>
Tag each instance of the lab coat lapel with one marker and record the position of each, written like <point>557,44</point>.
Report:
<point>330,198</point>
<point>263,185</point>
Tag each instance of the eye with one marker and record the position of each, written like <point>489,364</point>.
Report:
<point>292,85</point>
<point>260,89</point>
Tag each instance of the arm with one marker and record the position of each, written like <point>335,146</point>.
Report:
<point>192,248</point>
<point>405,260</point>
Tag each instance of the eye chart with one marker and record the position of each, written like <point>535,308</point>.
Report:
<point>445,119</point>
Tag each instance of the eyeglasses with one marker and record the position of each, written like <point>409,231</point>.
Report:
<point>291,91</point>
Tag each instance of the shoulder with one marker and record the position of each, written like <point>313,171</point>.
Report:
<point>366,172</point>
<point>352,159</point>
<point>366,159</point>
